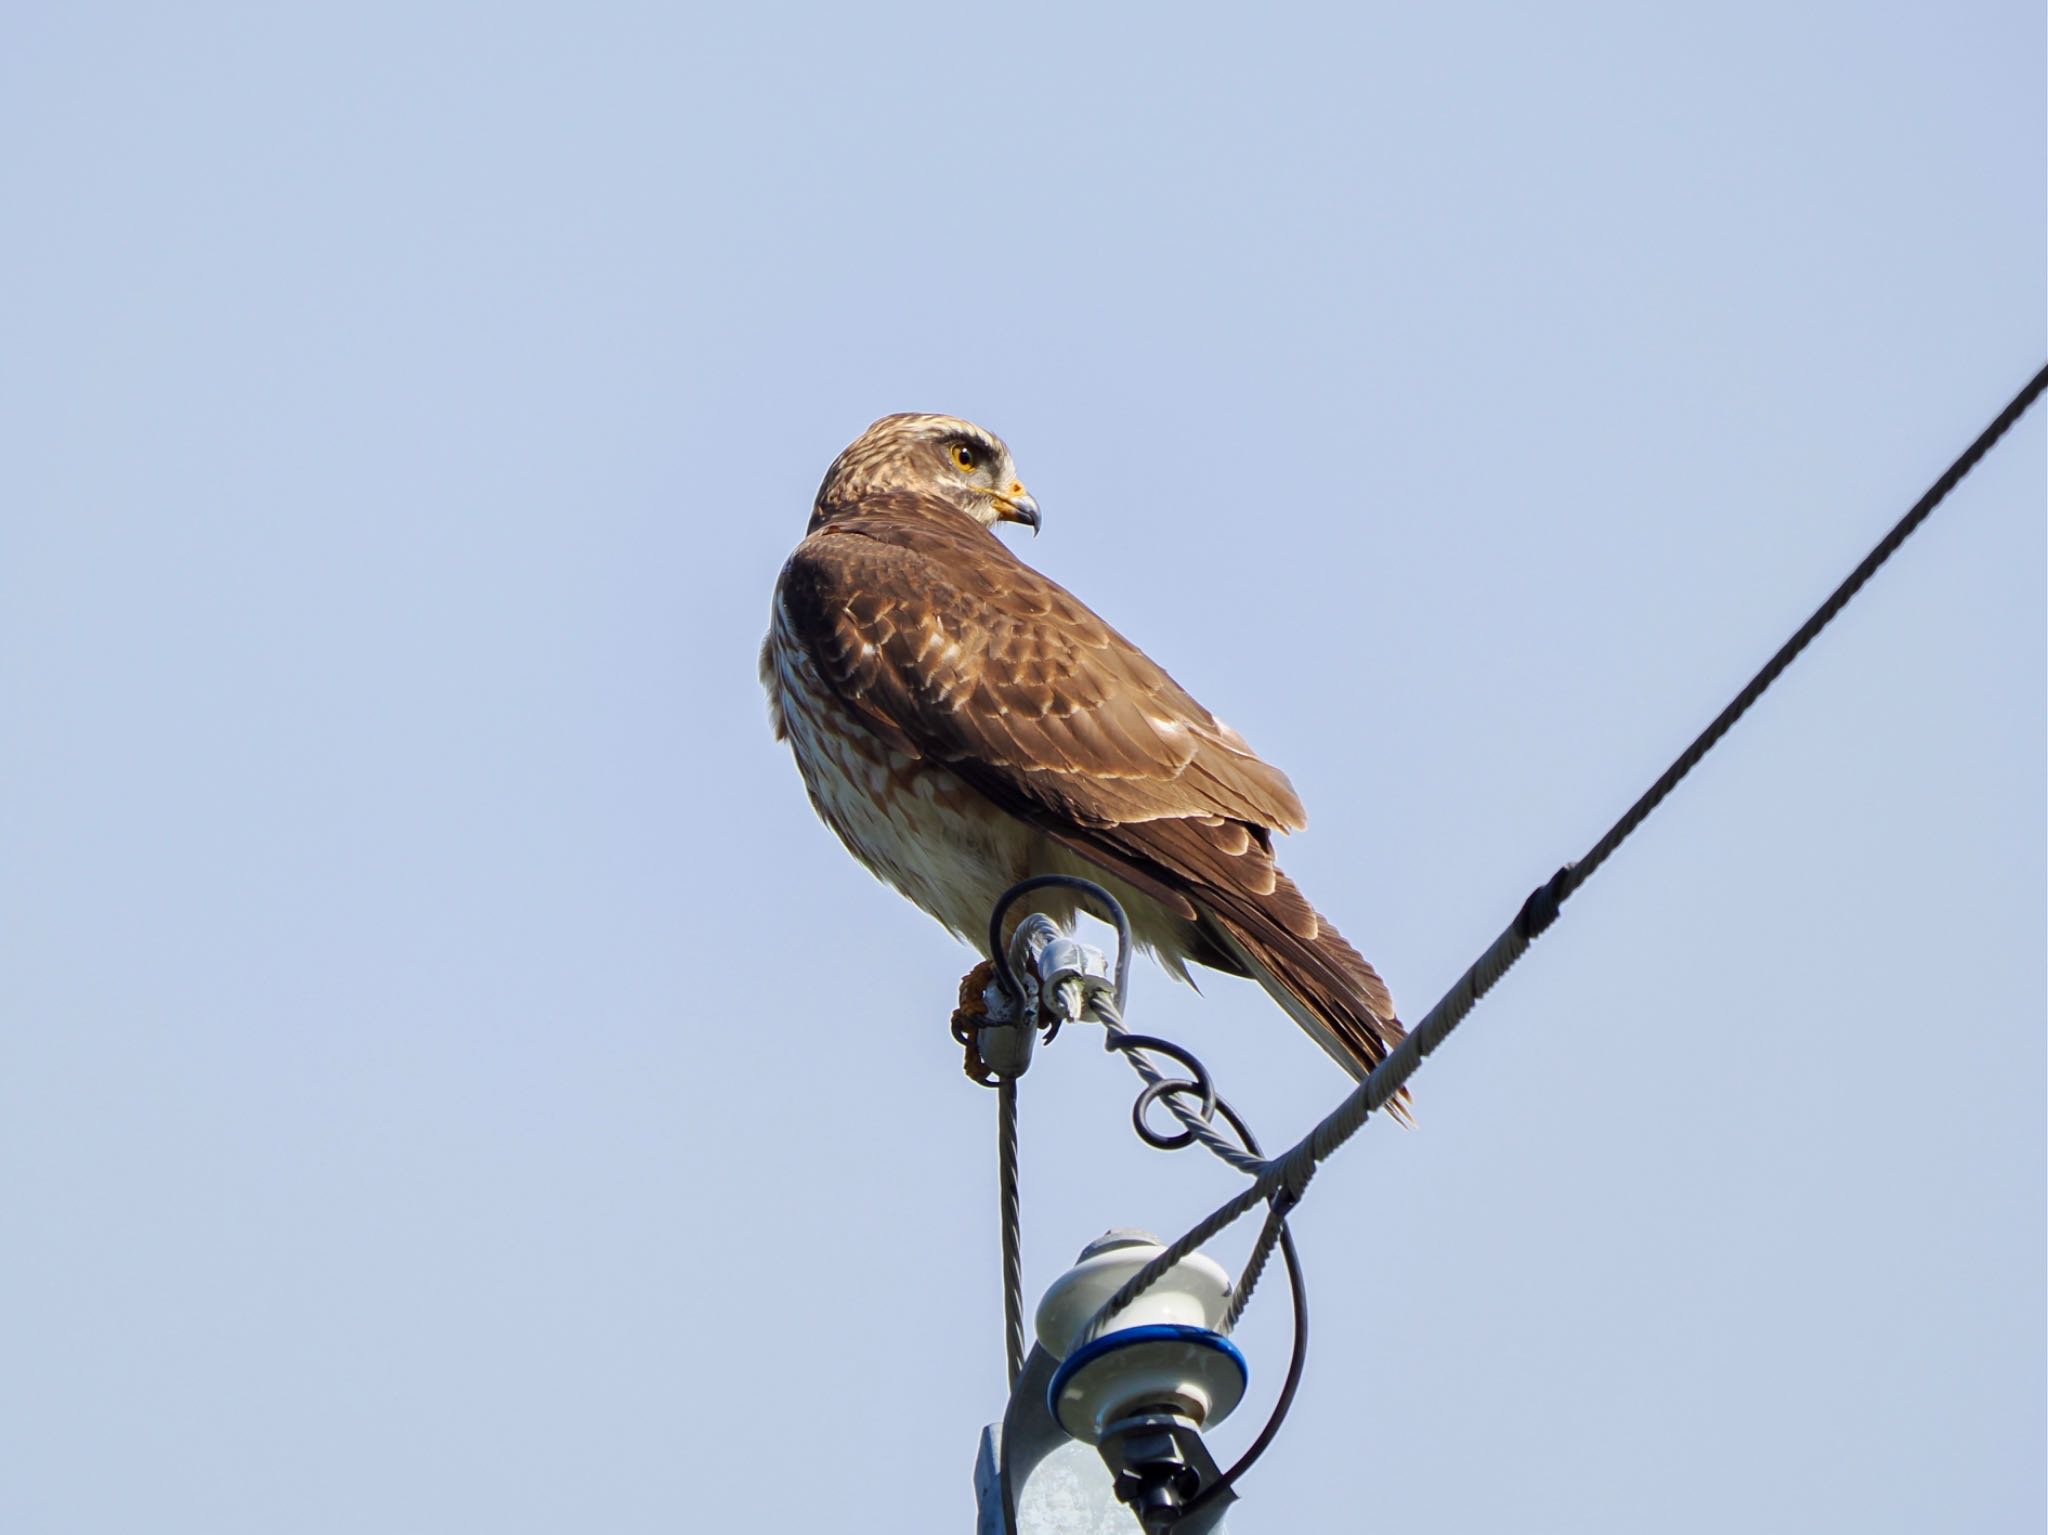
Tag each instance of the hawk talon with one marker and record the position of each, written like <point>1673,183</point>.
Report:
<point>969,1018</point>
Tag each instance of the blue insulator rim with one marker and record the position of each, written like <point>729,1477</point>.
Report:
<point>1150,1332</point>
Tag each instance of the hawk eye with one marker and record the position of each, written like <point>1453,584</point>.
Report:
<point>963,455</point>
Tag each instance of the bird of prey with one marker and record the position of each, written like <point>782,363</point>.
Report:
<point>963,723</point>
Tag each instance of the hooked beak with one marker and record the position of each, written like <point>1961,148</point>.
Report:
<point>1018,506</point>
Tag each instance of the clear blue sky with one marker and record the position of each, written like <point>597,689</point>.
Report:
<point>448,1079</point>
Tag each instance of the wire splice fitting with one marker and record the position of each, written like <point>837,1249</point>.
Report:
<point>1296,1168</point>
<point>1544,902</point>
<point>1111,910</point>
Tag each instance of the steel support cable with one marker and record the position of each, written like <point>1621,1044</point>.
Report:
<point>1293,1168</point>
<point>1271,1231</point>
<point>1013,1227</point>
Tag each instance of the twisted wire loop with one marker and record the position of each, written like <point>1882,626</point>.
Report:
<point>1292,1170</point>
<point>1197,1119</point>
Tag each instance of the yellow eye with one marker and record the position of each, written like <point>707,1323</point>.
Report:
<point>963,455</point>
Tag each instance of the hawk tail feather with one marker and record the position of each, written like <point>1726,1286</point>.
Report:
<point>1321,982</point>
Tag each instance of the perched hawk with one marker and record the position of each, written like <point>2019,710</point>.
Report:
<point>963,723</point>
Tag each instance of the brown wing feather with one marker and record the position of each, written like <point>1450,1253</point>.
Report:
<point>956,649</point>
<point>953,649</point>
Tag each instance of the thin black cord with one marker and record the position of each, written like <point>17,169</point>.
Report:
<point>1297,1355</point>
<point>1297,1360</point>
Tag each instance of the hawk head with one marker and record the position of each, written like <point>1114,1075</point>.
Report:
<point>964,465</point>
